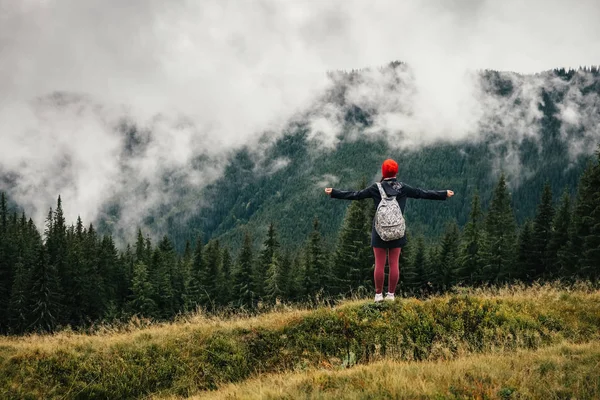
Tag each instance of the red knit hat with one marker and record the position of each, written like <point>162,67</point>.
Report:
<point>389,168</point>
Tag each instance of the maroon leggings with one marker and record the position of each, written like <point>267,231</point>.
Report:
<point>379,275</point>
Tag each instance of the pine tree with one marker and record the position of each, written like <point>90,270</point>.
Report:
<point>57,257</point>
<point>349,259</point>
<point>91,285</point>
<point>19,305</point>
<point>226,286</point>
<point>270,246</point>
<point>160,277</point>
<point>295,285</point>
<point>285,275</point>
<point>140,248</point>
<point>142,292</point>
<point>109,272</point>
<point>415,276</point>
<point>542,233</point>
<point>273,290</point>
<point>561,226</point>
<point>76,261</point>
<point>527,261</point>
<point>5,267</point>
<point>3,214</point>
<point>500,229</point>
<point>212,278</point>
<point>44,294</point>
<point>315,270</point>
<point>470,258</point>
<point>186,263</point>
<point>590,260</point>
<point>448,257</point>
<point>581,226</point>
<point>175,275</point>
<point>197,274</point>
<point>126,262</point>
<point>243,294</point>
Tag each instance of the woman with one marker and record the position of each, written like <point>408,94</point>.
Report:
<point>392,248</point>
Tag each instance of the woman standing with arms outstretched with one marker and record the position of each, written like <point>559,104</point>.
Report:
<point>390,187</point>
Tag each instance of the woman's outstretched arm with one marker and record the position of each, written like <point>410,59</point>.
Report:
<point>350,195</point>
<point>417,193</point>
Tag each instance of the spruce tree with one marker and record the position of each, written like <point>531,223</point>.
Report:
<point>500,228</point>
<point>160,277</point>
<point>169,259</point>
<point>542,233</point>
<point>44,294</point>
<point>295,284</point>
<point>581,227</point>
<point>527,262</point>
<point>448,257</point>
<point>75,259</point>
<point>561,226</point>
<point>3,214</point>
<point>57,257</point>
<point>226,284</point>
<point>273,289</point>
<point>140,248</point>
<point>142,292</point>
<point>126,262</point>
<point>212,278</point>
<point>19,316</point>
<point>197,274</point>
<point>243,294</point>
<point>590,260</point>
<point>349,259</point>
<point>270,246</point>
<point>285,275</point>
<point>5,267</point>
<point>186,263</point>
<point>316,274</point>
<point>470,258</point>
<point>415,274</point>
<point>92,287</point>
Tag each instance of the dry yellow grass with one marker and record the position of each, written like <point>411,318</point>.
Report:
<point>563,371</point>
<point>107,335</point>
<point>136,329</point>
<point>199,353</point>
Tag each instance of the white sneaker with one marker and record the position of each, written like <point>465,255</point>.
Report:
<point>390,296</point>
<point>378,297</point>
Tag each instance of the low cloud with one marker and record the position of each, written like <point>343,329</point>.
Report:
<point>107,102</point>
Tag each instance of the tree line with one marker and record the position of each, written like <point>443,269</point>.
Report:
<point>69,275</point>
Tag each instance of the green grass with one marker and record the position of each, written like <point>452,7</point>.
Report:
<point>566,371</point>
<point>205,354</point>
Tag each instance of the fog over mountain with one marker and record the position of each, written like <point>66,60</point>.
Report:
<point>111,102</point>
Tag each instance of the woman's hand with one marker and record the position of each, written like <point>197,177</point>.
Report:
<point>449,193</point>
<point>328,191</point>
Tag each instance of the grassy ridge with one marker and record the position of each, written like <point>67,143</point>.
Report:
<point>184,358</point>
<point>566,371</point>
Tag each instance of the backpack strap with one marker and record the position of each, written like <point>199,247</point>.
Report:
<point>381,191</point>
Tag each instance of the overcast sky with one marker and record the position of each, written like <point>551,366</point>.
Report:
<point>235,69</point>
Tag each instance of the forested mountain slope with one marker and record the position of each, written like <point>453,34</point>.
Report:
<point>283,182</point>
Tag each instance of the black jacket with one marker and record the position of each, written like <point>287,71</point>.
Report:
<point>392,188</point>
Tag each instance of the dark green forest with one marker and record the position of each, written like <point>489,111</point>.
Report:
<point>247,197</point>
<point>72,276</point>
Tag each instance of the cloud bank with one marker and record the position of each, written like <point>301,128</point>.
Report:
<point>106,101</point>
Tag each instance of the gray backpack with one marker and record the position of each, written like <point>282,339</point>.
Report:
<point>389,221</point>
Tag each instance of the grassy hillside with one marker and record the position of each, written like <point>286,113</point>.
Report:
<point>566,371</point>
<point>204,354</point>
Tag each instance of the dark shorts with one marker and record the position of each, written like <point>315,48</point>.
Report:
<point>376,241</point>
